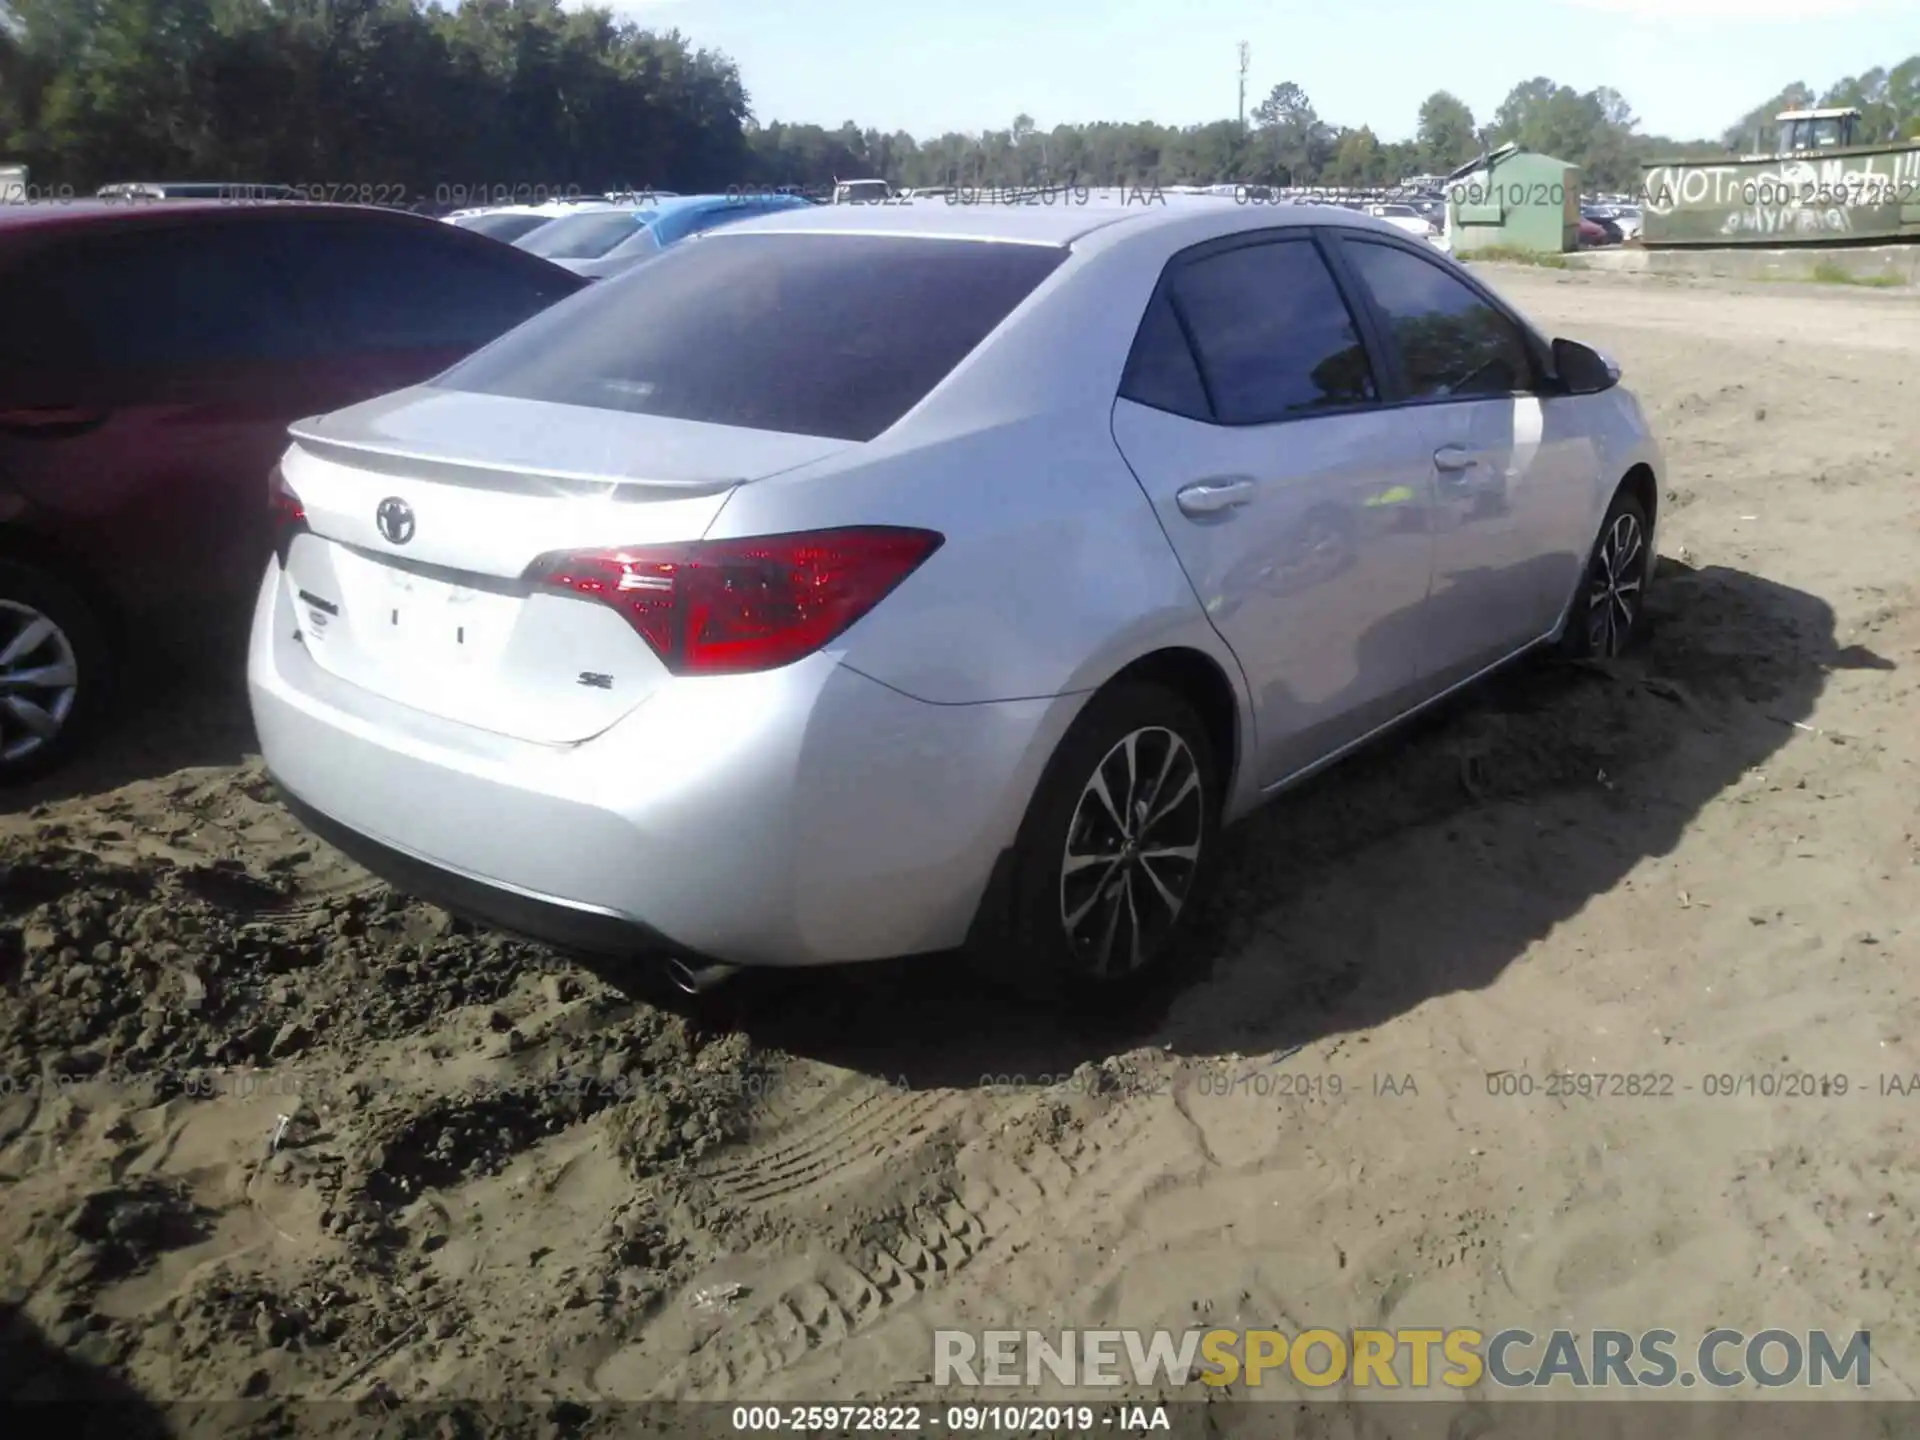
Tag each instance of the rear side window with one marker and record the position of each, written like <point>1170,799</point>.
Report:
<point>1274,336</point>
<point>1161,371</point>
<point>145,299</point>
<point>829,335</point>
<point>1452,342</point>
<point>385,286</point>
<point>25,321</point>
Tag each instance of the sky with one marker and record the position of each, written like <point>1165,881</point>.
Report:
<point>1689,68</point>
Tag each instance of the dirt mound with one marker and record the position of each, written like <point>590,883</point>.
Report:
<point>342,1061</point>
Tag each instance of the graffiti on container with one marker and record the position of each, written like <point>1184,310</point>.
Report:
<point>1787,195</point>
<point>1786,220</point>
<point>1856,194</point>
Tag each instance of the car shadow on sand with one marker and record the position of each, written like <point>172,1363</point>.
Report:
<point>171,710</point>
<point>51,1390</point>
<point>1423,866</point>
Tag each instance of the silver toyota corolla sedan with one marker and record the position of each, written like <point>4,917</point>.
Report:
<point>870,581</point>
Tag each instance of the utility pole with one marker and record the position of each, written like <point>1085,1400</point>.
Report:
<point>1246,59</point>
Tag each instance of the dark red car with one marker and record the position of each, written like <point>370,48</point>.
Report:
<point>151,358</point>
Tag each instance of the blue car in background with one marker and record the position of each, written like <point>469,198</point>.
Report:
<point>604,242</point>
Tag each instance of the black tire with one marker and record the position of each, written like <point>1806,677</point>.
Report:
<point>29,595</point>
<point>1083,960</point>
<point>1609,609</point>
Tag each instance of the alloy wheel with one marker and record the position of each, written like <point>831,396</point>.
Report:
<point>1132,851</point>
<point>39,680</point>
<point>1613,585</point>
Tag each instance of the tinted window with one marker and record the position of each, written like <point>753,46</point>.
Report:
<point>833,335</point>
<point>507,228</point>
<point>1161,371</point>
<point>1274,337</point>
<point>1451,341</point>
<point>24,322</point>
<point>585,237</point>
<point>395,286</point>
<point>145,299</point>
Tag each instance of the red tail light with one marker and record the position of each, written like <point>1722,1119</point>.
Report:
<point>718,607</point>
<point>288,514</point>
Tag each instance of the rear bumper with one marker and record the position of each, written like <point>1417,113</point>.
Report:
<point>534,917</point>
<point>802,816</point>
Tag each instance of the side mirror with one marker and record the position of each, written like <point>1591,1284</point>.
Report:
<point>1583,370</point>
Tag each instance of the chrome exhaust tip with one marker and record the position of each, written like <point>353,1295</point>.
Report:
<point>698,979</point>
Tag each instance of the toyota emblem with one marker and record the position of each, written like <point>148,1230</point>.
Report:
<point>395,519</point>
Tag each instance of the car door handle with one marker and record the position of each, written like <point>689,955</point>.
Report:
<point>1454,458</point>
<point>1210,497</point>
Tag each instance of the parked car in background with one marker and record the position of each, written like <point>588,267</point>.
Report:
<point>1628,217</point>
<point>670,221</point>
<point>1609,227</point>
<point>152,359</point>
<point>507,223</point>
<point>504,227</point>
<point>866,582</point>
<point>232,190</point>
<point>1404,217</point>
<point>586,232</point>
<point>862,192</point>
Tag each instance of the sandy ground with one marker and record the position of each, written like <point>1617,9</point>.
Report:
<point>499,1174</point>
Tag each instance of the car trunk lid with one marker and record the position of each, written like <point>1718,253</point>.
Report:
<point>424,510</point>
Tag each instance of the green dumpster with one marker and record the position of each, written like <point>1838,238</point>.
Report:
<point>1513,199</point>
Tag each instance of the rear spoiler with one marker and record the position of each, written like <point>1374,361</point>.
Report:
<point>477,475</point>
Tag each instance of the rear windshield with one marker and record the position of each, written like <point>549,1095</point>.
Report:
<point>644,241</point>
<point>811,334</point>
<point>584,237</point>
<point>503,227</point>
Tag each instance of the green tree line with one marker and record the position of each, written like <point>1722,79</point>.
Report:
<point>424,97</point>
<point>388,93</point>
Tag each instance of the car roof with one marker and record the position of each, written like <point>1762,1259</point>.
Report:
<point>559,209</point>
<point>26,229</point>
<point>197,189</point>
<point>672,204</point>
<point>600,207</point>
<point>122,212</point>
<point>1066,222</point>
